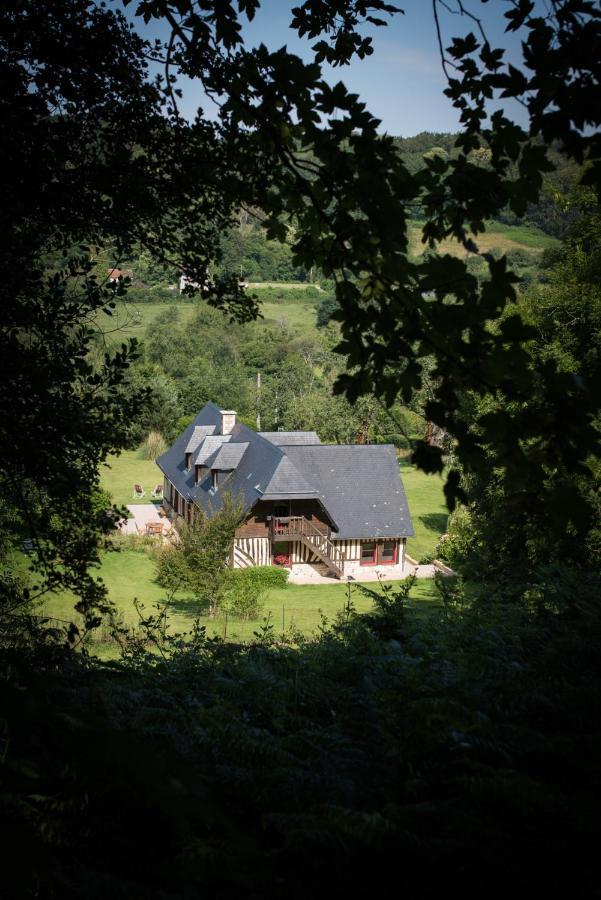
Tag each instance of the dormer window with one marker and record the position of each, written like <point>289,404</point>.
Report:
<point>188,460</point>
<point>215,479</point>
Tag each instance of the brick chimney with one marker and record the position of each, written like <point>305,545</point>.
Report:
<point>228,420</point>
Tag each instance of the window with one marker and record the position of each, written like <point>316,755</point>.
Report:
<point>215,478</point>
<point>368,553</point>
<point>389,552</point>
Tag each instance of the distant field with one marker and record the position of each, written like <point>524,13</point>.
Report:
<point>296,316</point>
<point>132,319</point>
<point>503,237</point>
<point>284,285</point>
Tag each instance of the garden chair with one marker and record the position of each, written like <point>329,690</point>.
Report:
<point>153,528</point>
<point>139,492</point>
<point>157,492</point>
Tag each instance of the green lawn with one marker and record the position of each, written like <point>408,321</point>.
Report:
<point>129,575</point>
<point>121,472</point>
<point>428,510</point>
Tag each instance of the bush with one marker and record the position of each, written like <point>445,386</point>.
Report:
<point>520,258</point>
<point>245,589</point>
<point>154,446</point>
<point>262,577</point>
<point>243,600</point>
<point>325,310</point>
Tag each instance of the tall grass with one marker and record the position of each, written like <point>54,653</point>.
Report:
<point>153,446</point>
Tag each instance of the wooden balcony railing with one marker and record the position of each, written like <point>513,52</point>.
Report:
<point>297,528</point>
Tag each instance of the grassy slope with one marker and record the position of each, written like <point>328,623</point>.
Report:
<point>428,510</point>
<point>503,237</point>
<point>132,319</point>
<point>129,575</point>
<point>121,472</point>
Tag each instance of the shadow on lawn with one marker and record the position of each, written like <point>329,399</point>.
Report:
<point>188,606</point>
<point>435,522</point>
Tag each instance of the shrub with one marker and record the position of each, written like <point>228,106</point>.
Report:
<point>154,446</point>
<point>262,577</point>
<point>171,571</point>
<point>245,590</point>
<point>243,600</point>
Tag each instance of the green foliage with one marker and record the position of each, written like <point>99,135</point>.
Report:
<point>261,577</point>
<point>325,311</point>
<point>244,597</point>
<point>516,534</point>
<point>354,748</point>
<point>199,559</point>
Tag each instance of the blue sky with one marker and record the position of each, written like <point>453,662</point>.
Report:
<point>402,83</point>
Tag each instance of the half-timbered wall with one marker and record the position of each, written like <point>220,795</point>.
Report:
<point>352,550</point>
<point>251,551</point>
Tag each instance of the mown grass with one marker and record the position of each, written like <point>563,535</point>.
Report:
<point>289,307</point>
<point>129,576</point>
<point>120,473</point>
<point>428,510</point>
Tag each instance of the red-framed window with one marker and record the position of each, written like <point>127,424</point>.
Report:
<point>368,553</point>
<point>389,553</point>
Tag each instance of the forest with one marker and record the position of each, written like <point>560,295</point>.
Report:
<point>439,292</point>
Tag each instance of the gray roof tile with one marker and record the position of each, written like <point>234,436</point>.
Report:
<point>209,447</point>
<point>198,435</point>
<point>229,456</point>
<point>286,438</point>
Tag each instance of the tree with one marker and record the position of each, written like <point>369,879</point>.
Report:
<point>200,557</point>
<point>91,167</point>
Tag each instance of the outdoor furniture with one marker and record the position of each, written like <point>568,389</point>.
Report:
<point>139,492</point>
<point>154,528</point>
<point>158,491</point>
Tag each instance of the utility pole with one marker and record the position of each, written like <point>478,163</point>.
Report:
<point>258,401</point>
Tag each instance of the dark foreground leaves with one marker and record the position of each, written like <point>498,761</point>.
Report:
<point>460,753</point>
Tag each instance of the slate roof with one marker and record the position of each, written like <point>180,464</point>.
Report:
<point>287,438</point>
<point>358,485</point>
<point>209,448</point>
<point>229,456</point>
<point>198,435</point>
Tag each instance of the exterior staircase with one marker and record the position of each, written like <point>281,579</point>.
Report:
<point>297,528</point>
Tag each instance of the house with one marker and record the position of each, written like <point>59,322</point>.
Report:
<point>115,274</point>
<point>331,506</point>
